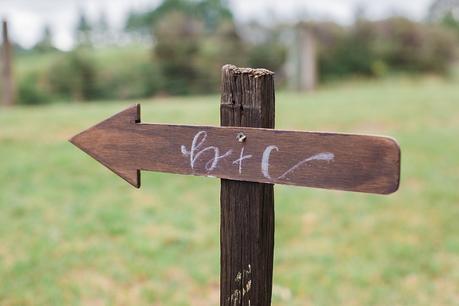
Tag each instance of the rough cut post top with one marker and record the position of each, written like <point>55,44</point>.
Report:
<point>250,71</point>
<point>247,97</point>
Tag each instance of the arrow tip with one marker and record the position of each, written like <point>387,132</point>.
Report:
<point>97,142</point>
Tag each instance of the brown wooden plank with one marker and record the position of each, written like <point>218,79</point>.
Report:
<point>7,67</point>
<point>324,160</point>
<point>247,208</point>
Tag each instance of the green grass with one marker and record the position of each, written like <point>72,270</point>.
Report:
<point>72,233</point>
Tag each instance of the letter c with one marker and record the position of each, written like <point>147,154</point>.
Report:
<point>265,161</point>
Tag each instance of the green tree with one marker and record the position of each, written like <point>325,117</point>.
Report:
<point>451,22</point>
<point>191,38</point>
<point>101,30</point>
<point>83,32</point>
<point>46,42</point>
<point>144,22</point>
<point>177,46</point>
<point>211,12</point>
<point>74,75</point>
<point>267,50</point>
<point>214,13</point>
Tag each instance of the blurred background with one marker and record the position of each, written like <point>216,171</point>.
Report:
<point>78,50</point>
<point>71,233</point>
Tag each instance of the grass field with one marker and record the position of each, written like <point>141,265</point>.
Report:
<point>72,233</point>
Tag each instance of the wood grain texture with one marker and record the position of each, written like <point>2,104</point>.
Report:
<point>7,67</point>
<point>247,208</point>
<point>323,160</point>
<point>248,166</point>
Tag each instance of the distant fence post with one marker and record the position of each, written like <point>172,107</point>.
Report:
<point>303,59</point>
<point>247,208</point>
<point>7,67</point>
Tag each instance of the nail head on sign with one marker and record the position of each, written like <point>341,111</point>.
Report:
<point>241,137</point>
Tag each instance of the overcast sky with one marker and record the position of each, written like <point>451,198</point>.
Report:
<point>27,17</point>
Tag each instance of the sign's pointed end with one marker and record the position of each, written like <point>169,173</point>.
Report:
<point>97,141</point>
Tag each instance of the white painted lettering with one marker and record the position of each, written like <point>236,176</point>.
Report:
<point>322,156</point>
<point>265,161</point>
<point>239,161</point>
<point>194,153</point>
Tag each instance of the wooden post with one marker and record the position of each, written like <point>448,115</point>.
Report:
<point>240,154</point>
<point>308,59</point>
<point>303,59</point>
<point>247,209</point>
<point>7,68</point>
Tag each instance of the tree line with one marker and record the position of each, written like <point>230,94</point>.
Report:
<point>178,48</point>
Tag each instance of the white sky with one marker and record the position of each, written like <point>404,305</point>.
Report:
<point>27,17</point>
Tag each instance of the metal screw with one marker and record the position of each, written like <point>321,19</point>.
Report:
<point>241,137</point>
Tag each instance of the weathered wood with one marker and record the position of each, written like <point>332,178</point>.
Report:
<point>7,67</point>
<point>307,78</point>
<point>250,157</point>
<point>332,161</point>
<point>302,63</point>
<point>247,208</point>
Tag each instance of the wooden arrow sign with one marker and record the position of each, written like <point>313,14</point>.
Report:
<point>333,161</point>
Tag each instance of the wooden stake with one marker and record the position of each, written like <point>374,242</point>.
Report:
<point>247,209</point>
<point>7,68</point>
<point>334,161</point>
<point>308,60</point>
<point>304,57</point>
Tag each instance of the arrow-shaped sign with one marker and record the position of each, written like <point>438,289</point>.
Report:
<point>323,160</point>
